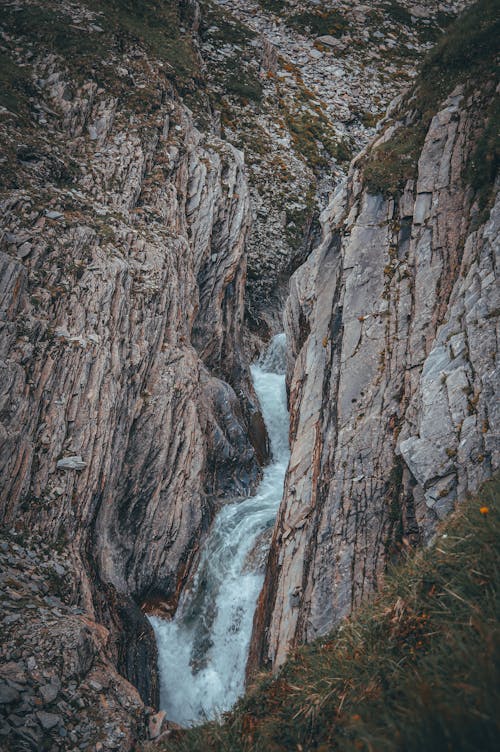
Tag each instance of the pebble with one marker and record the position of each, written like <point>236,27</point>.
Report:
<point>24,250</point>
<point>71,463</point>
<point>8,694</point>
<point>48,720</point>
<point>49,693</point>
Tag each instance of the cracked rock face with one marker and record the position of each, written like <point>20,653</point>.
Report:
<point>127,411</point>
<point>108,349</point>
<point>393,384</point>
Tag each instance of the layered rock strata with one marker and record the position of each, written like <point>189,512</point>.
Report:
<point>127,410</point>
<point>392,324</point>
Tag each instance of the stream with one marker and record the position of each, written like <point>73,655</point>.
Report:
<point>202,651</point>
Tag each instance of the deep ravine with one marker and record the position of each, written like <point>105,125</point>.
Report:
<point>203,650</point>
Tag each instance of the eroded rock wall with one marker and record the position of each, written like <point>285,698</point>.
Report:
<point>392,324</point>
<point>127,409</point>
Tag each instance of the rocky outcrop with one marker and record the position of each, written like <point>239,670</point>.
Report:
<point>58,683</point>
<point>112,332</point>
<point>300,87</point>
<point>392,324</point>
<point>127,410</point>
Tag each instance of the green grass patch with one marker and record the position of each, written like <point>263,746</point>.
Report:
<point>314,139</point>
<point>160,27</point>
<point>398,13</point>
<point>416,669</point>
<point>482,168</point>
<point>15,85</point>
<point>273,6</point>
<point>219,26</point>
<point>465,54</point>
<point>245,87</point>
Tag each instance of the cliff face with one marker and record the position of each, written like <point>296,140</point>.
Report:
<point>114,377</point>
<point>393,384</point>
<point>127,409</point>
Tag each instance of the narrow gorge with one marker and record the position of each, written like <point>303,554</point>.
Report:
<point>182,181</point>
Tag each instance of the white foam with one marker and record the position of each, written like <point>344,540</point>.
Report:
<point>202,652</point>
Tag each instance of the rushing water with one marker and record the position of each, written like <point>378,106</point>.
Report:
<point>203,650</point>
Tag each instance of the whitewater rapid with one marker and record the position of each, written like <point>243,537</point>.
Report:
<point>202,652</point>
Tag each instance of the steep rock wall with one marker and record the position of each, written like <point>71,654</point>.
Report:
<point>392,324</point>
<point>127,409</point>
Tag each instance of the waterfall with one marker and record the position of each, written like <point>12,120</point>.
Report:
<point>202,652</point>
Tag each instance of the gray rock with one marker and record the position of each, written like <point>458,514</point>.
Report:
<point>71,463</point>
<point>24,250</point>
<point>60,570</point>
<point>49,693</point>
<point>11,618</point>
<point>8,694</point>
<point>330,41</point>
<point>48,720</point>
<point>410,421</point>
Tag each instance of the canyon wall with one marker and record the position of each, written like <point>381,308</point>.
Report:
<point>127,409</point>
<point>393,380</point>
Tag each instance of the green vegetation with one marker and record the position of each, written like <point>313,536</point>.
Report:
<point>312,133</point>
<point>320,23</point>
<point>234,76</point>
<point>156,25</point>
<point>483,165</point>
<point>15,85</point>
<point>247,87</point>
<point>309,132</point>
<point>466,55</point>
<point>273,6</point>
<point>397,13</point>
<point>218,26</point>
<point>417,669</point>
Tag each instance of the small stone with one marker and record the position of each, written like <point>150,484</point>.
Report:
<point>51,214</point>
<point>11,618</point>
<point>31,734</point>
<point>330,41</point>
<point>48,720</point>
<point>15,720</point>
<point>24,250</point>
<point>95,685</point>
<point>155,724</point>
<point>49,693</point>
<point>8,694</point>
<point>71,463</point>
<point>14,672</point>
